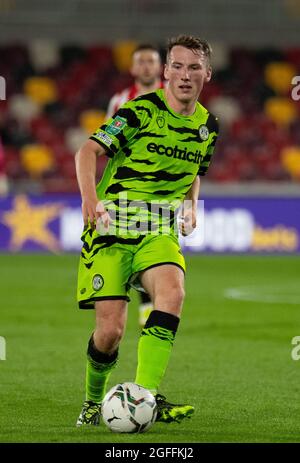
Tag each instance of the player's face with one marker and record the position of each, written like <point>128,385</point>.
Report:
<point>146,66</point>
<point>186,71</point>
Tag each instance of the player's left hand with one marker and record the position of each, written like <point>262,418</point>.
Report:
<point>187,222</point>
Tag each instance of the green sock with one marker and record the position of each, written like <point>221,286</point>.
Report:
<point>154,349</point>
<point>98,369</point>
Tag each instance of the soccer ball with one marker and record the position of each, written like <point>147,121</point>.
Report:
<point>128,407</point>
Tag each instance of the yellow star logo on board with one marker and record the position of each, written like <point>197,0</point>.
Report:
<point>29,222</point>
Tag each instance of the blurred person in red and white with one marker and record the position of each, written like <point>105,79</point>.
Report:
<point>146,69</point>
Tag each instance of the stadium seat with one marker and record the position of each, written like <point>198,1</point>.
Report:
<point>75,137</point>
<point>226,108</point>
<point>37,159</point>
<point>122,52</point>
<point>23,108</point>
<point>91,119</point>
<point>281,110</point>
<point>220,56</point>
<point>44,54</point>
<point>58,97</point>
<point>279,76</point>
<point>42,90</point>
<point>290,157</point>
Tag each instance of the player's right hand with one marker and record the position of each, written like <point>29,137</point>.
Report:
<point>92,211</point>
<point>103,219</point>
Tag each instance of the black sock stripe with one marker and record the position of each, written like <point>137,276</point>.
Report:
<point>162,319</point>
<point>100,357</point>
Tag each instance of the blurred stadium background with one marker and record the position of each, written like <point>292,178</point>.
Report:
<point>61,62</point>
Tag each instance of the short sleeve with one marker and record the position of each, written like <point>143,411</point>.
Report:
<point>117,132</point>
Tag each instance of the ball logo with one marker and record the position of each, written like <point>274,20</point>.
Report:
<point>203,132</point>
<point>129,408</point>
<point>98,282</point>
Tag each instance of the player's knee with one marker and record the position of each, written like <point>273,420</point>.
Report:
<point>114,333</point>
<point>107,338</point>
<point>173,297</point>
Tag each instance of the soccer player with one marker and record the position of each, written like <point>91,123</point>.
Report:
<point>159,144</point>
<point>146,70</point>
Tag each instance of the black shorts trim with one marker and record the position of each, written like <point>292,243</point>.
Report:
<point>89,303</point>
<point>163,263</point>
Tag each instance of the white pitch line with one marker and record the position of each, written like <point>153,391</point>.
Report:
<point>270,295</point>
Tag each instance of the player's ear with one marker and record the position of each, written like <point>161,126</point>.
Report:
<point>208,74</point>
<point>166,71</point>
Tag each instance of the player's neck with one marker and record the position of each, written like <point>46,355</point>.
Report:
<point>142,89</point>
<point>180,107</point>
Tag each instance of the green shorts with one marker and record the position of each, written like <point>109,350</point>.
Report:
<point>110,265</point>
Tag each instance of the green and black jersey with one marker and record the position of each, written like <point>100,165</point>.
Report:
<point>155,153</point>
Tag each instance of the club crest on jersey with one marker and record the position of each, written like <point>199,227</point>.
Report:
<point>160,121</point>
<point>116,125</point>
<point>203,132</point>
<point>98,282</point>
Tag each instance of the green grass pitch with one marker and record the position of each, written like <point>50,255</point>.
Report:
<point>231,358</point>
